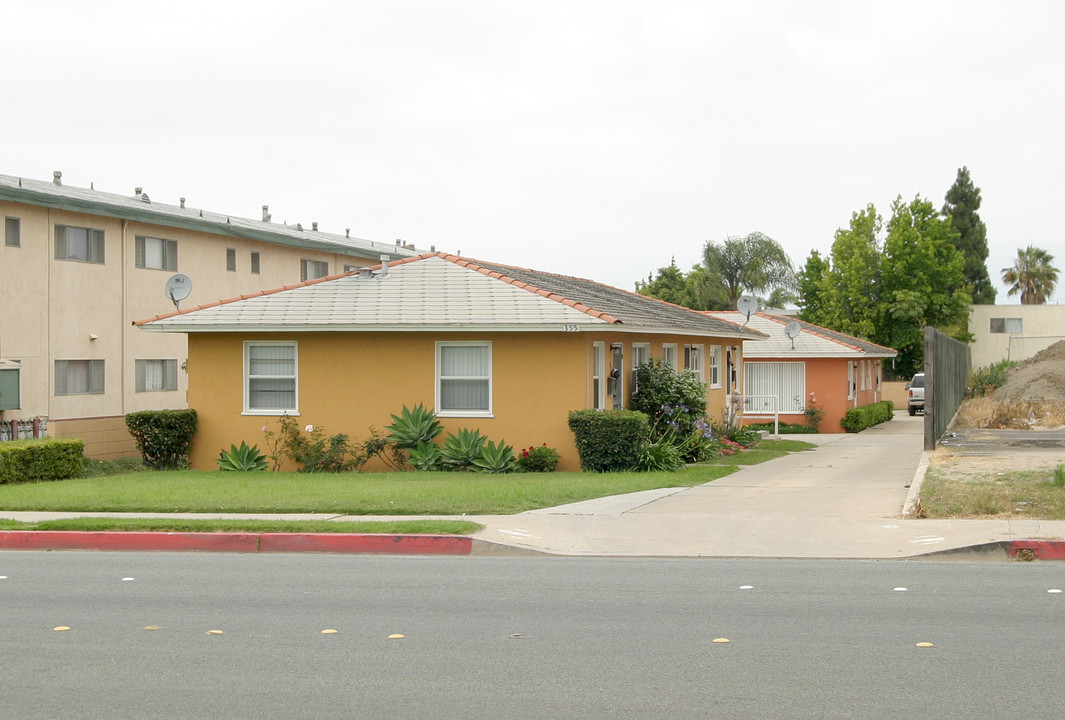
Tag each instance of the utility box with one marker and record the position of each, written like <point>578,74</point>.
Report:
<point>9,385</point>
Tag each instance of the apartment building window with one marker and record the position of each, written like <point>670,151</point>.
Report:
<point>598,376</point>
<point>254,263</point>
<point>12,232</point>
<point>313,269</point>
<point>155,253</point>
<point>270,378</point>
<point>641,355</point>
<point>79,377</point>
<point>1012,326</point>
<point>693,359</point>
<point>774,385</point>
<point>464,379</point>
<point>156,375</point>
<point>79,244</point>
<point>231,259</point>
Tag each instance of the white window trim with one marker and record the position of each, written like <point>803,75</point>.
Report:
<point>599,373</point>
<point>673,363</point>
<point>715,366</point>
<point>272,412</point>
<point>440,411</point>
<point>850,380</point>
<point>697,351</point>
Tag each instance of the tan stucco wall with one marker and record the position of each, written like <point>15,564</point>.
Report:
<point>105,438</point>
<point>51,307</point>
<point>1042,326</point>
<point>351,381</point>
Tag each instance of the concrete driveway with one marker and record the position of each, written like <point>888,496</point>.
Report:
<point>841,500</point>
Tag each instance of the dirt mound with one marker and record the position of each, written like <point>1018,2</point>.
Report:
<point>1040,377</point>
<point>1032,398</point>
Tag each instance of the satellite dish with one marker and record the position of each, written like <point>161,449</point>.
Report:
<point>177,288</point>
<point>747,305</point>
<point>792,330</point>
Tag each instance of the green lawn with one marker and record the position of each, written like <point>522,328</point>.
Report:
<point>410,493</point>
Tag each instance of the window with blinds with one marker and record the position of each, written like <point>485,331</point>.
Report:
<point>464,379</point>
<point>79,244</point>
<point>715,366</point>
<point>764,381</point>
<point>693,360</point>
<point>270,378</point>
<point>79,377</point>
<point>155,375</point>
<point>155,253</point>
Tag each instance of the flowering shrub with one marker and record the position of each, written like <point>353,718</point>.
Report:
<point>814,414</point>
<point>538,459</point>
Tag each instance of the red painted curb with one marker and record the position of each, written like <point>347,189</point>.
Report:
<point>129,541</point>
<point>235,542</point>
<point>378,544</point>
<point>1040,549</point>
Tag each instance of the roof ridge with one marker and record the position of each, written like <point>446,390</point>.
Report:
<point>479,266</point>
<point>820,331</point>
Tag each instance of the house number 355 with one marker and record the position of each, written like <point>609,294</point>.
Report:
<point>571,328</point>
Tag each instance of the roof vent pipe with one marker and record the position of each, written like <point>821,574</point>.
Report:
<point>137,191</point>
<point>397,242</point>
<point>266,213</point>
<point>57,177</point>
<point>365,273</point>
<point>314,226</point>
<point>432,248</point>
<point>347,233</point>
<point>383,273</point>
<point>182,203</point>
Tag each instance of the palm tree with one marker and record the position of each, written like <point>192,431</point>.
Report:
<point>1032,276</point>
<point>752,263</point>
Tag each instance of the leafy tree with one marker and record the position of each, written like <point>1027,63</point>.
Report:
<point>670,285</point>
<point>1031,275</point>
<point>811,281</point>
<point>922,281</point>
<point>963,200</point>
<point>851,293</point>
<point>753,263</point>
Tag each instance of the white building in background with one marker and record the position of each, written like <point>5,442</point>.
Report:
<point>78,266</point>
<point>1013,332</point>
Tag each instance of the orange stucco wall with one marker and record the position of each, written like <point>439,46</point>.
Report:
<point>826,378</point>
<point>350,381</point>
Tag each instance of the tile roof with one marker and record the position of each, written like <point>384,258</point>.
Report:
<point>446,292</point>
<point>812,340</point>
<point>142,209</point>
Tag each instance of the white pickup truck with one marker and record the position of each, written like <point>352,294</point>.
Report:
<point>915,394</point>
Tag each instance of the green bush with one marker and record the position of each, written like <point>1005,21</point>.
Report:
<point>659,456</point>
<point>496,458</point>
<point>163,437</point>
<point>609,440</point>
<point>425,457</point>
<point>785,428</point>
<point>316,452</point>
<point>241,459</point>
<point>413,426</point>
<point>461,449</point>
<point>538,459</point>
<point>989,378</point>
<point>674,401</point>
<point>858,419</point>
<point>35,460</point>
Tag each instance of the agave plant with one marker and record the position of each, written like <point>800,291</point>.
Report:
<point>413,426</point>
<point>462,449</point>
<point>241,459</point>
<point>425,457</point>
<point>496,458</point>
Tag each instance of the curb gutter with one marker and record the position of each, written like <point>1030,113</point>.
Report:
<point>1020,550</point>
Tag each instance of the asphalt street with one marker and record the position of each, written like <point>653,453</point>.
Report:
<point>500,638</point>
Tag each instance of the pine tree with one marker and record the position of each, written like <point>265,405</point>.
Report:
<point>963,201</point>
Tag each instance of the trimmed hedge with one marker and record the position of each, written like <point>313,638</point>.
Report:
<point>163,437</point>
<point>36,460</point>
<point>858,419</point>
<point>609,440</point>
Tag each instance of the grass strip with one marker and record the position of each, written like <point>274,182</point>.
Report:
<point>1019,494</point>
<point>399,493</point>
<point>391,527</point>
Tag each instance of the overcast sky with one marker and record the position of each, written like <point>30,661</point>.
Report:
<point>596,138</point>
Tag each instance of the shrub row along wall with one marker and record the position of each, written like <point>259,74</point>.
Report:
<point>947,363</point>
<point>860,418</point>
<point>34,460</point>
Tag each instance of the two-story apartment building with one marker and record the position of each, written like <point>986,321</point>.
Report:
<point>78,266</point>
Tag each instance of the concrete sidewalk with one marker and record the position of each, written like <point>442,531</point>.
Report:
<point>842,500</point>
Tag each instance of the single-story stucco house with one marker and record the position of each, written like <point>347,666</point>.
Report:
<point>839,371</point>
<point>506,350</point>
